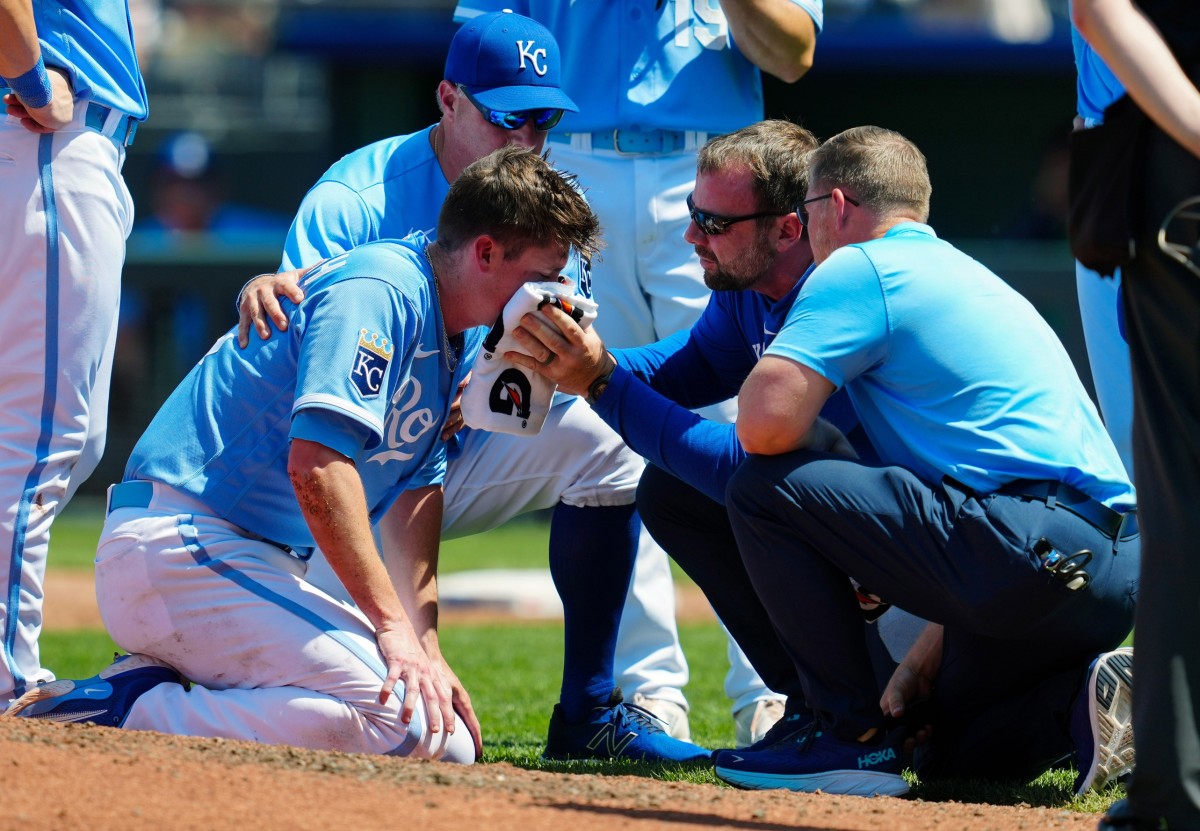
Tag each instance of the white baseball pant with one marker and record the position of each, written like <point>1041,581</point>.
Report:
<point>280,660</point>
<point>66,214</point>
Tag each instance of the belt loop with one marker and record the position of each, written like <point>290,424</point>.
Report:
<point>1052,496</point>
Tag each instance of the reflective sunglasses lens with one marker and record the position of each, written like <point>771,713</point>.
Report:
<point>711,226</point>
<point>547,119</point>
<point>509,121</point>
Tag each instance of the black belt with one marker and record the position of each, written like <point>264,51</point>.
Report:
<point>1113,524</point>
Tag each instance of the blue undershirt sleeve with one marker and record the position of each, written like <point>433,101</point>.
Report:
<point>678,369</point>
<point>700,452</point>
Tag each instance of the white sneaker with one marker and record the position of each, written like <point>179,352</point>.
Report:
<point>753,721</point>
<point>668,712</point>
<point>1102,722</point>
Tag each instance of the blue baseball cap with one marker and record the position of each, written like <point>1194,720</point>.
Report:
<point>509,62</point>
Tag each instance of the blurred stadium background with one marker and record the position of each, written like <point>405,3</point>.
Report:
<point>270,92</point>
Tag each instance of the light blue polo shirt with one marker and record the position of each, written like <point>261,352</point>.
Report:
<point>1095,87</point>
<point>951,371</point>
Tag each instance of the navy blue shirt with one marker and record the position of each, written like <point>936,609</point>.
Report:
<point>654,387</point>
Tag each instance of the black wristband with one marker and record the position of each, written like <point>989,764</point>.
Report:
<point>597,387</point>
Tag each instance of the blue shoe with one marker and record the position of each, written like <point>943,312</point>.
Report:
<point>618,731</point>
<point>1102,722</point>
<point>102,699</point>
<point>812,760</point>
<point>781,731</point>
<point>1120,817</point>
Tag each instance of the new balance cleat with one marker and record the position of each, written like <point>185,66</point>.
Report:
<point>812,760</point>
<point>104,699</point>
<point>669,713</point>
<point>618,731</point>
<point>1102,722</point>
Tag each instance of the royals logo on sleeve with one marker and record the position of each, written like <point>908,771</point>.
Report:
<point>370,363</point>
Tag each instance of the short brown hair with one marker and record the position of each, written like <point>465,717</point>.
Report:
<point>516,197</point>
<point>776,151</point>
<point>879,167</point>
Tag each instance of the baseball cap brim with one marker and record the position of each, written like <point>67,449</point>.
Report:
<point>516,98</point>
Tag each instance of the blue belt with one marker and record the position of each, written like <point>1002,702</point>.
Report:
<point>633,142</point>
<point>1113,524</point>
<point>139,493</point>
<point>121,130</point>
<point>130,495</point>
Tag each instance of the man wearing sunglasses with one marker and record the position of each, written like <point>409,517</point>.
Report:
<point>502,86</point>
<point>655,79</point>
<point>996,504</point>
<point>747,235</point>
<point>999,509</point>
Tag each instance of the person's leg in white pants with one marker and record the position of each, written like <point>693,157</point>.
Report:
<point>277,660</point>
<point>67,213</point>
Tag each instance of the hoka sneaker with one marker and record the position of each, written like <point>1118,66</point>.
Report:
<point>1102,722</point>
<point>813,760</point>
<point>784,730</point>
<point>102,699</point>
<point>618,731</point>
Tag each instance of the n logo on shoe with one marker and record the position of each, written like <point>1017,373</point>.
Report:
<point>607,736</point>
<point>870,760</point>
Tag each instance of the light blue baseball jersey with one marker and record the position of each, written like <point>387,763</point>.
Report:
<point>93,41</point>
<point>360,369</point>
<point>386,190</point>
<point>951,371</point>
<point>1096,87</point>
<point>647,64</point>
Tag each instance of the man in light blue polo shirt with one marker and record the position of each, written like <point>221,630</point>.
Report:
<point>74,96</point>
<point>999,511</point>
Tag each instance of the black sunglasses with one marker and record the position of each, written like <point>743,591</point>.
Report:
<point>543,120</point>
<point>711,224</point>
<point>802,211</point>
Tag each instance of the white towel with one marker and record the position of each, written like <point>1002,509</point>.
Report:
<point>501,396</point>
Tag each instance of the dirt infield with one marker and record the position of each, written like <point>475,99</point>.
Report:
<point>67,776</point>
<point>78,776</point>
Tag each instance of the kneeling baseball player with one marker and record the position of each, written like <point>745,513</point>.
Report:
<point>262,454</point>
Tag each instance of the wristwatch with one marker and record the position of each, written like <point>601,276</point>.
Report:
<point>597,387</point>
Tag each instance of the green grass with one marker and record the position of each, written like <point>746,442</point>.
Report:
<point>513,671</point>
